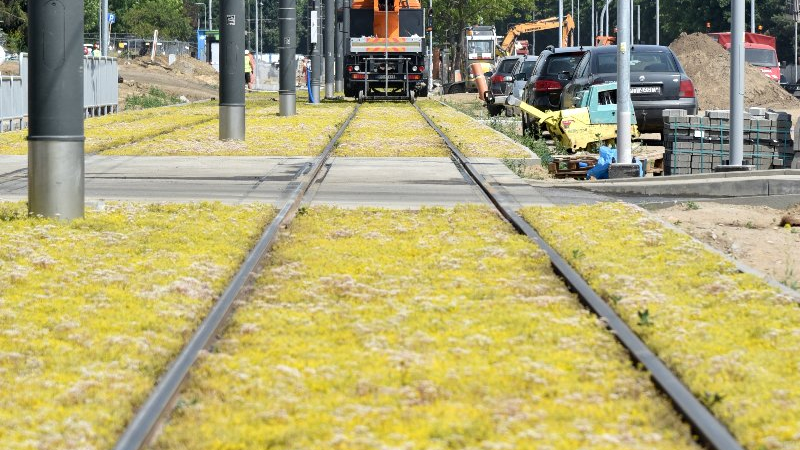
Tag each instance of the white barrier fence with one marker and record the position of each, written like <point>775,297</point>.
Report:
<point>100,91</point>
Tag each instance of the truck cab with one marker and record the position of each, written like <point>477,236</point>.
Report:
<point>759,51</point>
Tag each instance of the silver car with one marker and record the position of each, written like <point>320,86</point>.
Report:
<point>521,72</point>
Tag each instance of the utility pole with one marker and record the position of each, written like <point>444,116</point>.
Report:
<point>737,89</point>
<point>316,43</point>
<point>658,23</point>
<point>210,21</point>
<point>594,30</point>
<point>104,34</point>
<point>330,51</point>
<point>339,44</point>
<point>623,167</point>
<point>287,20</point>
<point>231,73</point>
<point>578,25</point>
<point>752,16</point>
<point>55,103</point>
<point>560,23</point>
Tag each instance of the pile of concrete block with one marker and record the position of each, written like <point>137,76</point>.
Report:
<point>697,144</point>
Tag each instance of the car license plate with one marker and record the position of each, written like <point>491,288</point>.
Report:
<point>639,90</point>
<point>391,76</point>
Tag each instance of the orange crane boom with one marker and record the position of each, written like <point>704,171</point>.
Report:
<point>531,27</point>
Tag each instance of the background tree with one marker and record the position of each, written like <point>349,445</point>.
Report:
<point>169,17</point>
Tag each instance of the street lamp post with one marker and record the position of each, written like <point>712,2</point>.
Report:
<point>205,15</point>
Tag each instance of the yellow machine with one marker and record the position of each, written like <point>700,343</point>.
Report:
<point>592,124</point>
<point>507,46</point>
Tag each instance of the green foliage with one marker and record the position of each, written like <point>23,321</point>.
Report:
<point>168,17</point>
<point>153,99</point>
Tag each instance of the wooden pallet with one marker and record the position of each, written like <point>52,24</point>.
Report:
<point>569,166</point>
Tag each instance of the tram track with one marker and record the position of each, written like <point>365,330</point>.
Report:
<point>145,424</point>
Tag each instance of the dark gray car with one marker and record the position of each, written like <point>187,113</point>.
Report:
<point>501,82</point>
<point>658,82</point>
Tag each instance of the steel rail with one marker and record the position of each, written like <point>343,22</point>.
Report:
<point>144,424</point>
<point>709,429</point>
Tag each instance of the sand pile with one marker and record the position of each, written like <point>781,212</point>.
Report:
<point>709,67</point>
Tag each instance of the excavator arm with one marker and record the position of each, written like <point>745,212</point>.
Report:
<point>531,27</point>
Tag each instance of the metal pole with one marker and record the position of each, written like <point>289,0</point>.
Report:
<point>287,20</point>
<point>608,13</point>
<point>578,24</point>
<point>55,109</point>
<point>594,30</point>
<point>623,92</point>
<point>752,16</point>
<point>630,30</point>
<point>258,45</point>
<point>210,20</point>
<point>794,80</point>
<point>231,70</point>
<point>638,24</point>
<point>560,23</point>
<point>430,49</point>
<point>330,51</point>
<point>316,44</point>
<point>104,35</point>
<point>339,43</point>
<point>737,82</point>
<point>658,23</point>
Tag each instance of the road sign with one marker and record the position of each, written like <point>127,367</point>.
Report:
<point>112,18</point>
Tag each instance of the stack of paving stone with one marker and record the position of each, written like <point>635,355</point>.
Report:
<point>697,144</point>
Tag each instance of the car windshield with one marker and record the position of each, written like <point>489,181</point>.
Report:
<point>557,64</point>
<point>528,66</point>
<point>507,65</point>
<point>761,57</point>
<point>480,46</point>
<point>640,62</point>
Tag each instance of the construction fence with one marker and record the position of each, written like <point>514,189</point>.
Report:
<point>100,91</point>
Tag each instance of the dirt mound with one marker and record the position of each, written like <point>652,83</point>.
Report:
<point>709,67</point>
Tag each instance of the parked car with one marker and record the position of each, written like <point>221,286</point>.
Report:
<point>552,71</point>
<point>500,83</point>
<point>658,82</point>
<point>522,71</point>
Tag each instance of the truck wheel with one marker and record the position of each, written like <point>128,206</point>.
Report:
<point>361,97</point>
<point>411,97</point>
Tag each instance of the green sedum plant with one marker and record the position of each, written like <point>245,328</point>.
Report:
<point>732,338</point>
<point>436,329</point>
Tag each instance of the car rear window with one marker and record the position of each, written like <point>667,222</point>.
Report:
<point>528,66</point>
<point>506,65</point>
<point>557,64</point>
<point>640,62</point>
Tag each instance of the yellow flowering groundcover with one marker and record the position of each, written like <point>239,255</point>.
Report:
<point>92,311</point>
<point>470,136</point>
<point>733,339</point>
<point>390,129</point>
<point>129,126</point>
<point>438,329</point>
<point>267,134</point>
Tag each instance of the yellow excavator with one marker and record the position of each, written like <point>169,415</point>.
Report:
<point>507,47</point>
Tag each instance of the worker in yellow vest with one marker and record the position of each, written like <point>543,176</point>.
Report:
<point>248,70</point>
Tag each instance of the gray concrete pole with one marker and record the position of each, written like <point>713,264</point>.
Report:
<point>608,13</point>
<point>106,35</point>
<point>55,109</point>
<point>287,21</point>
<point>430,48</point>
<point>560,23</point>
<point>737,82</point>
<point>623,83</point>
<point>330,51</point>
<point>638,24</point>
<point>752,16</point>
<point>231,70</point>
<point>210,18</point>
<point>316,44</point>
<point>339,43</point>
<point>258,45</point>
<point>795,50</point>
<point>578,25</point>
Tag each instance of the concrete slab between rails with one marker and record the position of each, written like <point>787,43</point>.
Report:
<point>395,183</point>
<point>231,180</point>
<point>518,192</point>
<point>731,184</point>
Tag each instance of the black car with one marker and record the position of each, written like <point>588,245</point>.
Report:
<point>658,82</point>
<point>501,83</point>
<point>552,72</point>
